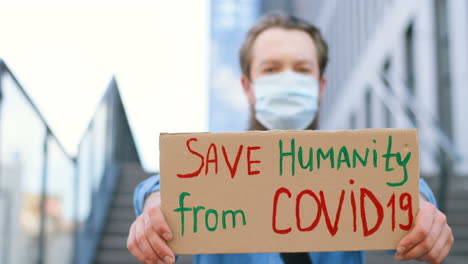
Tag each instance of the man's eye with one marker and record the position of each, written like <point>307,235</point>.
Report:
<point>304,70</point>
<point>270,69</point>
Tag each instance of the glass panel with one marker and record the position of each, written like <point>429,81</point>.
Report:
<point>59,205</point>
<point>84,179</point>
<point>22,136</point>
<point>99,133</point>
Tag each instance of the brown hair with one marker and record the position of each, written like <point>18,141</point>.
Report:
<point>281,20</point>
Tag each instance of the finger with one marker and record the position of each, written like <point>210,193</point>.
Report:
<point>157,243</point>
<point>425,246</point>
<point>133,246</point>
<point>159,223</point>
<point>445,251</point>
<point>143,242</point>
<point>421,230</point>
<point>434,253</point>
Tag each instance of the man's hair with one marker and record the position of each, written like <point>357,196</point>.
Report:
<point>285,21</point>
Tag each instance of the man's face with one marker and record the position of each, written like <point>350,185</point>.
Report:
<point>276,50</point>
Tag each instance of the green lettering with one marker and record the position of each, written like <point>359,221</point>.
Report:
<point>374,152</point>
<point>343,156</point>
<point>233,213</point>
<point>284,154</point>
<point>310,163</point>
<point>375,156</point>
<point>182,209</point>
<point>389,155</point>
<point>356,157</point>
<point>195,217</point>
<point>207,215</point>
<point>401,163</point>
<point>330,154</point>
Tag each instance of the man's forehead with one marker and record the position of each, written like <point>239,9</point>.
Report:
<point>268,60</point>
<point>278,44</point>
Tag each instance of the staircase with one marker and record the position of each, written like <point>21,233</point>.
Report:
<point>457,216</point>
<point>113,245</point>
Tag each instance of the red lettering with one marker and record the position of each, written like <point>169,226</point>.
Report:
<point>197,172</point>
<point>249,162</point>
<point>332,228</point>
<point>275,210</point>
<point>232,169</point>
<point>353,205</point>
<point>208,160</point>
<point>407,207</point>
<point>391,203</point>
<point>317,216</point>
<point>365,192</point>
<point>367,200</point>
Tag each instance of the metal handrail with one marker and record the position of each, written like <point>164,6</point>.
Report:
<point>125,151</point>
<point>5,69</point>
<point>425,116</point>
<point>397,106</point>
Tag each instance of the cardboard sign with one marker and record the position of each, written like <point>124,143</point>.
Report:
<point>289,191</point>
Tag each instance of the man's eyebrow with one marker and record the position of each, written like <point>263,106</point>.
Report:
<point>311,62</point>
<point>268,61</point>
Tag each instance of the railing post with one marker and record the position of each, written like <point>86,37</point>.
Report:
<point>76,197</point>
<point>444,94</point>
<point>445,175</point>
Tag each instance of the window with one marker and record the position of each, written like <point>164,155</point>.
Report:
<point>410,71</point>
<point>386,79</point>
<point>368,102</point>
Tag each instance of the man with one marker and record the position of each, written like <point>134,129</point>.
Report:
<point>283,60</point>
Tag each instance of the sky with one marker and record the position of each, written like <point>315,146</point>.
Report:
<point>65,53</point>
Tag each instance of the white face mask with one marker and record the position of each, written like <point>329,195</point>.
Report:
<point>286,100</point>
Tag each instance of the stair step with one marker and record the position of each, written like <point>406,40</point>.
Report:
<point>125,190</point>
<point>124,213</point>
<point>460,232</point>
<point>115,256</point>
<point>184,259</point>
<point>134,177</point>
<point>123,200</point>
<point>457,205</point>
<point>115,242</point>
<point>127,186</point>
<point>460,247</point>
<point>457,218</point>
<point>118,227</point>
<point>457,195</point>
<point>135,171</point>
<point>383,257</point>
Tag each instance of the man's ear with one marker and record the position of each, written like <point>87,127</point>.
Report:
<point>248,89</point>
<point>323,82</point>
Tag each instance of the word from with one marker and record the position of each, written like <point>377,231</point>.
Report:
<point>182,209</point>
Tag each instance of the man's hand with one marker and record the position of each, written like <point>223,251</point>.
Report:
<point>149,233</point>
<point>431,238</point>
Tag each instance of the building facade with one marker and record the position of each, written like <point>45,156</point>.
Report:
<point>396,64</point>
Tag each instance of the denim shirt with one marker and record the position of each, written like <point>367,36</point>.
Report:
<point>345,257</point>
